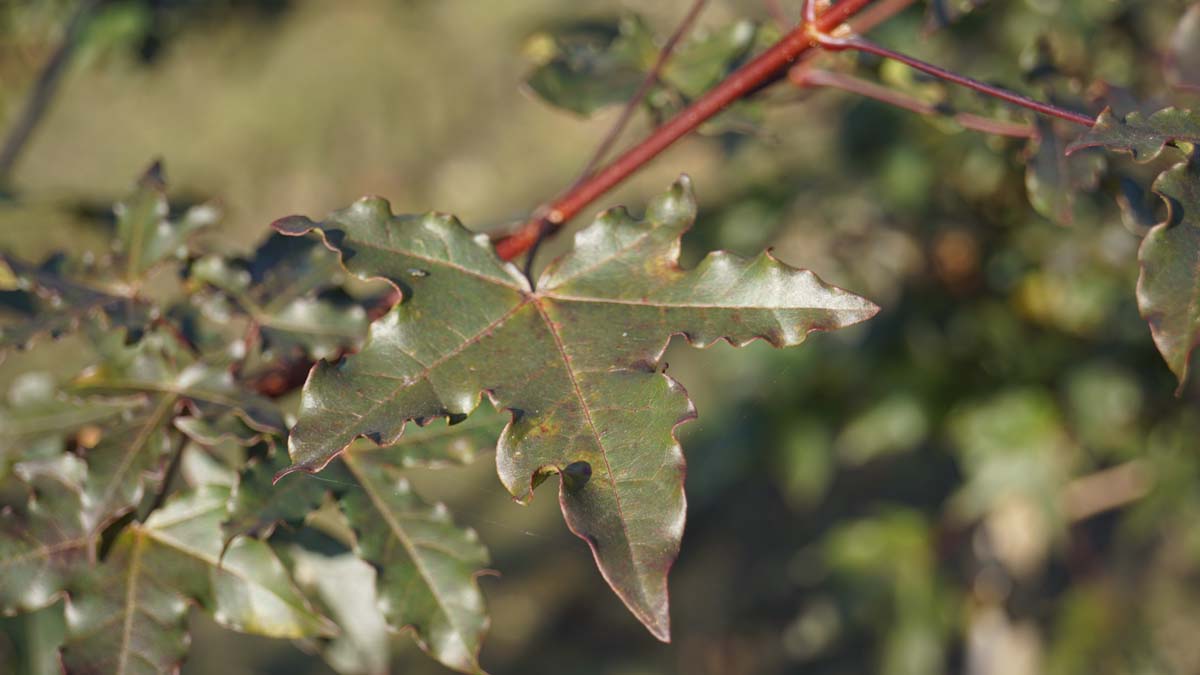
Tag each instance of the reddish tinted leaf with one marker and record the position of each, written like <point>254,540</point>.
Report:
<point>576,362</point>
<point>1169,286</point>
<point>1140,136</point>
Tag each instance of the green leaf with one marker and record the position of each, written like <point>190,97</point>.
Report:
<point>427,565</point>
<point>277,288</point>
<point>1142,137</point>
<point>593,65</point>
<point>1054,179</point>
<point>347,587</point>
<point>128,614</point>
<point>576,362</point>
<point>38,412</point>
<point>258,505</point>
<point>1169,286</point>
<point>63,300</point>
<point>942,13</point>
<point>146,235</point>
<point>42,540</point>
<point>703,61</point>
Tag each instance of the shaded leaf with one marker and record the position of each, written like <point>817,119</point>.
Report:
<point>942,13</point>
<point>427,565</point>
<point>38,413</point>
<point>1169,286</point>
<point>60,302</point>
<point>258,504</point>
<point>1054,179</point>
<point>277,287</point>
<point>703,61</point>
<point>1142,137</point>
<point>575,362</point>
<point>146,235</point>
<point>1183,55</point>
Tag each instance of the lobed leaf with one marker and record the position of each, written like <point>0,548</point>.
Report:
<point>1142,137</point>
<point>128,614</point>
<point>1169,286</point>
<point>427,565</point>
<point>575,362</point>
<point>146,235</point>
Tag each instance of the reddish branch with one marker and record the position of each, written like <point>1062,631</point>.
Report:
<point>740,83</point>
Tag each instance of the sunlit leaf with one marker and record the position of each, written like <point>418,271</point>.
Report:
<point>1169,285</point>
<point>427,565</point>
<point>146,235</point>
<point>575,361</point>
<point>44,539</point>
<point>1142,137</point>
<point>1055,179</point>
<point>347,586</point>
<point>128,614</point>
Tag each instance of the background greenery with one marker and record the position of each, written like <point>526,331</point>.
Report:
<point>922,494</point>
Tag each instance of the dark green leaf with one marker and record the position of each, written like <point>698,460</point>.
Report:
<point>1140,136</point>
<point>942,13</point>
<point>575,362</point>
<point>1054,179</point>
<point>594,65</point>
<point>1169,285</point>
<point>61,301</point>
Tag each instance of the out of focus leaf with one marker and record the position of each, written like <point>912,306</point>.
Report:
<point>427,565</point>
<point>146,235</point>
<point>1183,57</point>
<point>575,361</point>
<point>61,302</point>
<point>942,13</point>
<point>276,288</point>
<point>1169,285</point>
<point>37,414</point>
<point>347,587</point>
<point>1054,179</point>
<point>594,65</point>
<point>1142,137</point>
<point>1012,444</point>
<point>35,639</point>
<point>703,61</point>
<point>128,614</point>
<point>44,539</point>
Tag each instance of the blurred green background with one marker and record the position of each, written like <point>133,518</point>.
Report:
<point>992,477</point>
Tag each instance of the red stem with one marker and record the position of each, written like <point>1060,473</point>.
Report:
<point>861,45</point>
<point>741,82</point>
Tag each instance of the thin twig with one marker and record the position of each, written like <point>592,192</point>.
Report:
<point>44,89</point>
<point>747,79</point>
<point>614,133</point>
<point>847,39</point>
<point>643,90</point>
<point>810,77</point>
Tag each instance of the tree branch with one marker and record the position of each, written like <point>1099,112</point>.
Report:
<point>44,89</point>
<point>745,80</point>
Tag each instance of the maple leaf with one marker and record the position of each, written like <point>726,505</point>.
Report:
<point>1168,289</point>
<point>576,362</point>
<point>1142,137</point>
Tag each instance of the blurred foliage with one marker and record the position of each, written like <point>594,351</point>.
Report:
<point>993,476</point>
